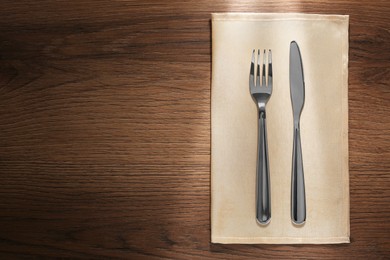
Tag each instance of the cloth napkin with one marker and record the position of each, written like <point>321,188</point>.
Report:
<point>323,42</point>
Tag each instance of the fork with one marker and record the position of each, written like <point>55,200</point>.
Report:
<point>261,94</point>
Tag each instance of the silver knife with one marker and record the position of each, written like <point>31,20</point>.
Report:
<point>297,91</point>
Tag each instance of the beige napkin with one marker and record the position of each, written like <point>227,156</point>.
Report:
<point>323,42</point>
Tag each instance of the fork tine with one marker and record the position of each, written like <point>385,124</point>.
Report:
<point>263,73</point>
<point>252,71</point>
<point>258,69</point>
<point>270,68</point>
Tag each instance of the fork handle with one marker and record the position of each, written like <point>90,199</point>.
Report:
<point>263,200</point>
<point>298,200</point>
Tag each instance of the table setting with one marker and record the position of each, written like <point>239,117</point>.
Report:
<point>279,146</point>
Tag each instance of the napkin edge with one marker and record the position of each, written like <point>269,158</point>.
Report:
<point>251,16</point>
<point>345,109</point>
<point>277,240</point>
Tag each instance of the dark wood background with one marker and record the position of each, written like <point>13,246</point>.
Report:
<point>105,129</point>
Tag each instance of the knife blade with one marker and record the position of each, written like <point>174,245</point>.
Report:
<point>297,91</point>
<point>297,82</point>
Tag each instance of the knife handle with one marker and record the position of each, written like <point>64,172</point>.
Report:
<point>263,200</point>
<point>298,199</point>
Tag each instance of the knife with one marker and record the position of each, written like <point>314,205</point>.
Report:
<point>297,91</point>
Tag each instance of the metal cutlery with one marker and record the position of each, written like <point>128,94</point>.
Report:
<point>261,92</point>
<point>297,91</point>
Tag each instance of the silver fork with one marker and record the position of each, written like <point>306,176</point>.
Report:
<point>261,94</point>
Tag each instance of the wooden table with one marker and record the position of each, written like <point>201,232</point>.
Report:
<point>105,129</point>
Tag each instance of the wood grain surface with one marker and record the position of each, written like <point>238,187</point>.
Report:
<point>105,130</point>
